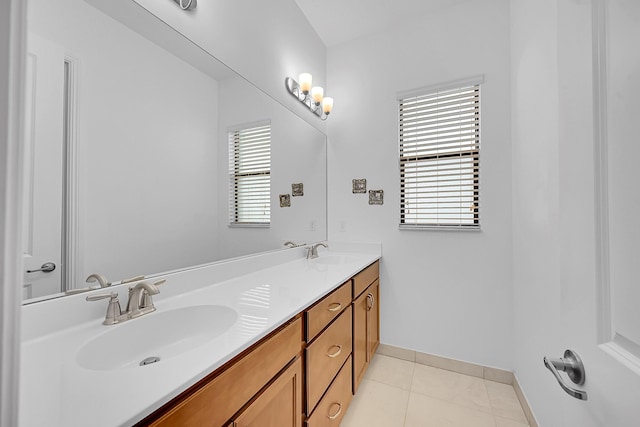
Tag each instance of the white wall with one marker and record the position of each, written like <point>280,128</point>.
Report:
<point>535,109</point>
<point>264,41</point>
<point>446,293</point>
<point>298,154</point>
<point>144,117</point>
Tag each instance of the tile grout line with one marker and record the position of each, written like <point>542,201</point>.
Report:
<point>493,413</point>
<point>517,399</point>
<point>406,409</point>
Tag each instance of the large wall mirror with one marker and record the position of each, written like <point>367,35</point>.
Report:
<point>128,136</point>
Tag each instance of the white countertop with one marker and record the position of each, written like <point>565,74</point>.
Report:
<point>56,391</point>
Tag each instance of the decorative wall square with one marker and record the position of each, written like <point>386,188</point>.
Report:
<point>297,189</point>
<point>376,197</point>
<point>359,185</point>
<point>285,200</point>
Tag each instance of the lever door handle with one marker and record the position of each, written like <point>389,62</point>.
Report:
<point>572,365</point>
<point>47,267</point>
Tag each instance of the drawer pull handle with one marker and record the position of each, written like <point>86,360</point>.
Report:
<point>334,416</point>
<point>336,353</point>
<point>336,306</point>
<point>370,301</point>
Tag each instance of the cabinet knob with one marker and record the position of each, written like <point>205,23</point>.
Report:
<point>370,301</point>
<point>334,416</point>
<point>332,355</point>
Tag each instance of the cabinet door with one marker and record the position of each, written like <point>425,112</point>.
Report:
<point>373,319</point>
<point>279,405</point>
<point>216,401</point>
<point>366,330</point>
<point>360,359</point>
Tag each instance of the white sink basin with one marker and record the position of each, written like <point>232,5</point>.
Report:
<point>333,259</point>
<point>157,335</point>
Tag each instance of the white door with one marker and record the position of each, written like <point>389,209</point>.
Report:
<point>600,319</point>
<point>565,295</point>
<point>43,180</point>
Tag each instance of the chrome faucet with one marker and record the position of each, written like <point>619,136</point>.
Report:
<point>312,251</point>
<point>140,302</point>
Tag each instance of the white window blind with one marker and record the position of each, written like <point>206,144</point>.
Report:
<point>250,175</point>
<point>440,158</point>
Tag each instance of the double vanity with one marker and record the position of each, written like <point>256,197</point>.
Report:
<point>274,337</point>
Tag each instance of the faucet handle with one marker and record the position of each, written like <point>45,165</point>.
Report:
<point>131,279</point>
<point>98,297</point>
<point>113,309</point>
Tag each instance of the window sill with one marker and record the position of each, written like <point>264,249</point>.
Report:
<point>249,225</point>
<point>473,228</point>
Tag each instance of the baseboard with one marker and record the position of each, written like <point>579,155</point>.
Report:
<point>461,367</point>
<point>524,403</point>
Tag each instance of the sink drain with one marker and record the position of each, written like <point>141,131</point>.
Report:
<point>150,360</point>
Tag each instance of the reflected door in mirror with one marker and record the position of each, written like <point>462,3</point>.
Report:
<point>44,167</point>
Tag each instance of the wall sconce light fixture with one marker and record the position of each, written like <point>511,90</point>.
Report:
<point>311,96</point>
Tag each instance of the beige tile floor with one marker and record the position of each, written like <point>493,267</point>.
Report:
<point>399,393</point>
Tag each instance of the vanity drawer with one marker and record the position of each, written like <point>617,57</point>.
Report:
<point>321,314</point>
<point>334,404</point>
<point>366,277</point>
<point>325,357</point>
<point>215,402</point>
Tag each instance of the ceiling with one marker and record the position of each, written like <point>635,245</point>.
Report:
<point>340,21</point>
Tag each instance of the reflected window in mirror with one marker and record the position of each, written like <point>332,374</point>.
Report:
<point>250,175</point>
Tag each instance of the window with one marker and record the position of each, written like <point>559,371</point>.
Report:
<point>250,175</point>
<point>440,157</point>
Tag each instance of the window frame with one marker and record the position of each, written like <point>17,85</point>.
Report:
<point>234,174</point>
<point>472,156</point>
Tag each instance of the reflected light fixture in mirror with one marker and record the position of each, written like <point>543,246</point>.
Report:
<point>187,4</point>
<point>311,96</point>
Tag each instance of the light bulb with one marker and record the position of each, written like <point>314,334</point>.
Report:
<point>327,105</point>
<point>305,80</point>
<point>317,93</point>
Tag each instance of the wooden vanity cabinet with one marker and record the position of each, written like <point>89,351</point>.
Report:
<point>328,358</point>
<point>366,320</point>
<point>305,372</point>
<point>249,378</point>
